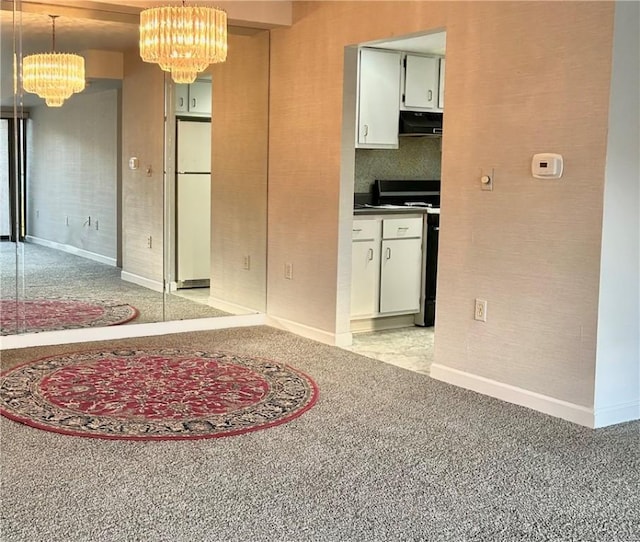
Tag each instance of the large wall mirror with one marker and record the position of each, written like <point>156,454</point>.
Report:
<point>98,219</point>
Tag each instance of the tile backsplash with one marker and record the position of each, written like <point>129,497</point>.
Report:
<point>416,158</point>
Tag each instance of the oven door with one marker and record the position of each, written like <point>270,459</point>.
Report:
<point>427,315</point>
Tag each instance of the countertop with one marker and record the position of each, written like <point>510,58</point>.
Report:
<point>395,209</point>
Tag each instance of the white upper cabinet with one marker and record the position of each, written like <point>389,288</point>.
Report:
<point>194,99</point>
<point>441,87</point>
<point>200,97</point>
<point>378,99</point>
<point>421,83</point>
<point>182,98</point>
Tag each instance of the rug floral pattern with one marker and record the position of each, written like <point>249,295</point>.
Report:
<point>36,315</point>
<point>154,394</point>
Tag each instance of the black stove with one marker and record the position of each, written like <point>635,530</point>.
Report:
<point>406,192</point>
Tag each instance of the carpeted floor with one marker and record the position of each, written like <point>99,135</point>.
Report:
<point>49,272</point>
<point>385,455</point>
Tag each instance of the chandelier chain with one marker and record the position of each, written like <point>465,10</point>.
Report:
<point>53,32</point>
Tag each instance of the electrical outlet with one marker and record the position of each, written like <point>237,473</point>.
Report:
<point>288,271</point>
<point>480,310</point>
<point>246,263</point>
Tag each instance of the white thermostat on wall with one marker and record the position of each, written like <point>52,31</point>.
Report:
<point>547,166</point>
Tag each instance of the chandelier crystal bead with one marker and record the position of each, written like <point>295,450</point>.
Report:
<point>53,76</point>
<point>183,40</point>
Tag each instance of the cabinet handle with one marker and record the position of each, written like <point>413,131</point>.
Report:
<point>365,129</point>
<point>388,253</point>
<point>357,229</point>
<point>193,102</point>
<point>181,102</point>
<point>436,228</point>
<point>370,255</point>
<point>430,95</point>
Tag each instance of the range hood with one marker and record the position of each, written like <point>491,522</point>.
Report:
<point>420,123</point>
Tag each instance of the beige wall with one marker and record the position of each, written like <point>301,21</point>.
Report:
<point>521,78</point>
<point>142,195</point>
<point>240,126</point>
<point>72,173</point>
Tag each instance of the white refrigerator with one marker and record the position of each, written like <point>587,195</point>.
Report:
<point>193,203</point>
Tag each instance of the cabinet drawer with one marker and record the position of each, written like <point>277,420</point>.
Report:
<point>364,229</point>
<point>397,228</point>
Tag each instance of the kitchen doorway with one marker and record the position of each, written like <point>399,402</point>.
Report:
<point>392,158</point>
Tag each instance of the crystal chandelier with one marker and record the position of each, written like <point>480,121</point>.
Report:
<point>53,76</point>
<point>183,40</point>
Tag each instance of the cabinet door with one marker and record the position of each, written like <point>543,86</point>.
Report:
<point>365,264</point>
<point>378,98</point>
<point>421,82</point>
<point>182,98</point>
<point>400,275</point>
<point>200,97</point>
<point>441,85</point>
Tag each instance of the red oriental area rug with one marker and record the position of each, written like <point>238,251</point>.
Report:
<point>35,315</point>
<point>151,394</point>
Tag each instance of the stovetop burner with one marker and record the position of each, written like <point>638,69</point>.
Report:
<point>418,193</point>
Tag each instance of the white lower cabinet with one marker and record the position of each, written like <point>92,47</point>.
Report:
<point>400,275</point>
<point>365,258</point>
<point>365,267</point>
<point>386,266</point>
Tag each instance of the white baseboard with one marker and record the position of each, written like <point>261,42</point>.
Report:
<point>326,337</point>
<point>512,394</point>
<point>364,325</point>
<point>226,306</point>
<point>69,336</point>
<point>625,412</point>
<point>154,285</point>
<point>72,250</point>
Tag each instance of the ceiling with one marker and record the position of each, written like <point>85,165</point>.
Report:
<point>433,43</point>
<point>85,25</point>
<point>74,34</point>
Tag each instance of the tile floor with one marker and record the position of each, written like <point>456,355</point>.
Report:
<point>409,347</point>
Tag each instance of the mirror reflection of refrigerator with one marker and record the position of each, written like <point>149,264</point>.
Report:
<point>193,203</point>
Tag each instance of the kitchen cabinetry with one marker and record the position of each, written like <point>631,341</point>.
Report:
<point>422,84</point>
<point>401,265</point>
<point>378,99</point>
<point>194,99</point>
<point>365,258</point>
<point>386,266</point>
<point>441,85</point>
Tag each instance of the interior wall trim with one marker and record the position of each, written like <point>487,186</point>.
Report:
<point>621,413</point>
<point>72,250</point>
<point>70,336</point>
<point>512,394</point>
<point>320,335</point>
<point>154,285</point>
<point>222,305</point>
